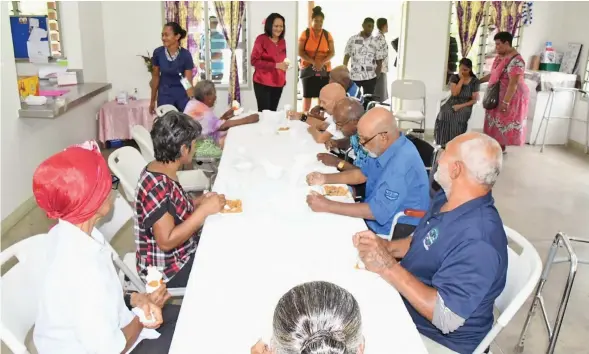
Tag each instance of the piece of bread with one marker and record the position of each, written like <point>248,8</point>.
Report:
<point>283,129</point>
<point>232,206</point>
<point>335,191</point>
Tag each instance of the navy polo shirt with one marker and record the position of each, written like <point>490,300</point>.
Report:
<point>396,180</point>
<point>463,255</point>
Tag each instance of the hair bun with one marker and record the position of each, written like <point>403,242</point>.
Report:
<point>317,9</point>
<point>333,340</point>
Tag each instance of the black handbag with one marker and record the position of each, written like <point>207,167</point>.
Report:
<point>309,71</point>
<point>491,99</point>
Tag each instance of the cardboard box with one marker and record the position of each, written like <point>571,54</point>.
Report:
<point>28,85</point>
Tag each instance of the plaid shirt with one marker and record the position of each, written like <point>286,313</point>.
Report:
<point>157,194</point>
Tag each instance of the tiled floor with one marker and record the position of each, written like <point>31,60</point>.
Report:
<point>537,195</point>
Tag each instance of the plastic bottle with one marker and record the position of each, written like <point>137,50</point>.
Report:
<point>154,279</point>
<point>549,55</point>
<point>185,83</point>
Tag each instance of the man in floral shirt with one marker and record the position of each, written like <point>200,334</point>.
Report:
<point>366,57</point>
<point>381,91</point>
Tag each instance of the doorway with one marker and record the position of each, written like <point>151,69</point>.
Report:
<point>344,19</point>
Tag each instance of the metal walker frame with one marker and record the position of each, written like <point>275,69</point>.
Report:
<point>547,116</point>
<point>560,240</point>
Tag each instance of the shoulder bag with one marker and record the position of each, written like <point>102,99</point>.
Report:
<point>309,71</point>
<point>491,99</point>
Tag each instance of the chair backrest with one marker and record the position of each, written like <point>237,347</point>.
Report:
<point>523,272</point>
<point>163,109</point>
<point>408,89</point>
<point>21,287</point>
<point>127,163</point>
<point>120,213</point>
<point>143,138</point>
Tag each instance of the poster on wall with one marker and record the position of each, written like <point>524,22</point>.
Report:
<point>570,61</point>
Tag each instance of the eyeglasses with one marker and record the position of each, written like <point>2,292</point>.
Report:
<point>363,143</point>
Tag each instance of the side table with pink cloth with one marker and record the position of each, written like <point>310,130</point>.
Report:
<point>116,120</point>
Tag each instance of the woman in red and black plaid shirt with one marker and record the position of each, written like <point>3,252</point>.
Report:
<point>167,220</point>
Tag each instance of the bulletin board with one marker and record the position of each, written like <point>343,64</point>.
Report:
<point>19,26</point>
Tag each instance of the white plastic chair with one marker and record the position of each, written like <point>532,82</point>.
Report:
<point>523,273</point>
<point>21,287</point>
<point>411,90</point>
<point>121,213</point>
<point>163,109</point>
<point>191,180</point>
<point>127,163</point>
<point>143,138</point>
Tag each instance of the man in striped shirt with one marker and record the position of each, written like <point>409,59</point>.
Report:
<point>217,44</point>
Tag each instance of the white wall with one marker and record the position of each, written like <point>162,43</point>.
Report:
<point>123,42</point>
<point>92,38</point>
<point>426,49</point>
<point>27,142</point>
<point>575,27</point>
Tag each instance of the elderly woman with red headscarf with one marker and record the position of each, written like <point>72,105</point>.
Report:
<point>82,307</point>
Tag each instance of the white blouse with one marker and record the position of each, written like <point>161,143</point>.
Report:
<point>81,307</point>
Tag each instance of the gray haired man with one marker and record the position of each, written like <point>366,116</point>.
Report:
<point>455,264</point>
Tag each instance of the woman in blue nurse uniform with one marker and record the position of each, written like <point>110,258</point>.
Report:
<point>170,63</point>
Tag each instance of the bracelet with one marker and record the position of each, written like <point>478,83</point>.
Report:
<point>506,102</point>
<point>304,117</point>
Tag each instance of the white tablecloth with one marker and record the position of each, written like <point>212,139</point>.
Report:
<point>246,262</point>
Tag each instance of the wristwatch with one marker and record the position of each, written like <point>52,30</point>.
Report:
<point>341,165</point>
<point>304,117</point>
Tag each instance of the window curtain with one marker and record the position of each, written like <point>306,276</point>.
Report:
<point>231,15</point>
<point>187,15</point>
<point>470,15</point>
<point>507,15</point>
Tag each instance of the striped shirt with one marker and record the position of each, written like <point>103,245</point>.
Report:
<point>217,45</point>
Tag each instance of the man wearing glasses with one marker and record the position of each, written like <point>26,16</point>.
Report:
<point>394,174</point>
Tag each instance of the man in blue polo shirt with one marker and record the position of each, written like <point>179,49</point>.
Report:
<point>455,264</point>
<point>394,174</point>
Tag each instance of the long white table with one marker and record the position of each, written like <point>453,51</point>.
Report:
<point>246,262</point>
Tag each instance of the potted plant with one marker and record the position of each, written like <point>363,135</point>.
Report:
<point>148,64</point>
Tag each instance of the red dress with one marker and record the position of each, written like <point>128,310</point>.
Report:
<point>509,127</point>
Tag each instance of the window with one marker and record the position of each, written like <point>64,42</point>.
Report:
<point>42,8</point>
<point>482,52</point>
<point>212,57</point>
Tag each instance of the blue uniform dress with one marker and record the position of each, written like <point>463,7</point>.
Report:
<point>396,180</point>
<point>170,90</point>
<point>463,255</point>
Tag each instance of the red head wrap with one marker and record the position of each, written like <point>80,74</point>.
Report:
<point>72,185</point>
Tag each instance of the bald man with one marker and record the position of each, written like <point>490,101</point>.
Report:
<point>395,178</point>
<point>341,75</point>
<point>328,97</point>
<point>455,264</point>
<point>322,131</point>
<point>346,115</point>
